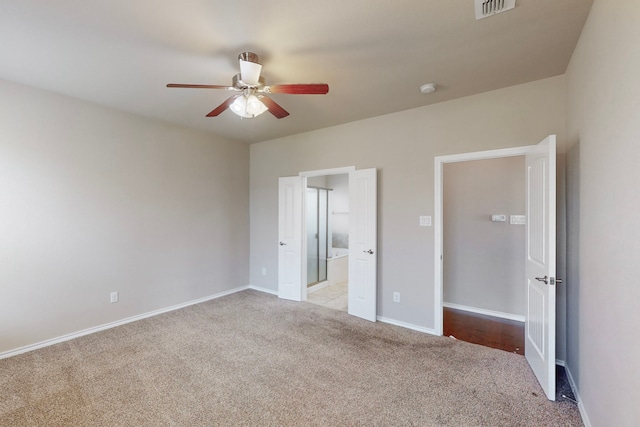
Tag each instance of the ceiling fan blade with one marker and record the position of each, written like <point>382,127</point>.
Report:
<point>220,108</point>
<point>298,89</point>
<point>273,107</point>
<point>187,86</point>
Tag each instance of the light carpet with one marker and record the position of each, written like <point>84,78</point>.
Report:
<point>250,359</point>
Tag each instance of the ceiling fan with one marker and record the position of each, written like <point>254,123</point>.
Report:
<point>252,99</point>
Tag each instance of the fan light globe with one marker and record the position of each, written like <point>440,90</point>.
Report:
<point>248,106</point>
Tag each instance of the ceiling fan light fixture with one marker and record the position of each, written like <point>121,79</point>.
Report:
<point>248,106</point>
<point>248,83</point>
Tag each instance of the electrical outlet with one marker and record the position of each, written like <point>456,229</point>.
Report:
<point>396,297</point>
<point>114,297</point>
<point>264,271</point>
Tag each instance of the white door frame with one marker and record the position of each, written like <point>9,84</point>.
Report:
<point>438,213</point>
<point>305,175</point>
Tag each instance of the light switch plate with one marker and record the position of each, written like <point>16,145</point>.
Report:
<point>518,219</point>
<point>498,218</point>
<point>425,221</point>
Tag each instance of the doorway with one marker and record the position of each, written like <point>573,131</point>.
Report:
<point>484,292</point>
<point>439,164</point>
<point>362,238</point>
<point>540,250</point>
<point>318,234</point>
<point>327,231</point>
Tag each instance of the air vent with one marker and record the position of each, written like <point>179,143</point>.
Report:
<point>487,8</point>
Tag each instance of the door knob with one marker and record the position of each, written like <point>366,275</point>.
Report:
<point>370,252</point>
<point>282,244</point>
<point>544,279</point>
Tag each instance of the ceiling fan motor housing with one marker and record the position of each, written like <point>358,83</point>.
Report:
<point>250,68</point>
<point>249,57</point>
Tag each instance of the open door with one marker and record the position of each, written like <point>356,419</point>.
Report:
<point>290,281</point>
<point>363,244</point>
<point>540,325</point>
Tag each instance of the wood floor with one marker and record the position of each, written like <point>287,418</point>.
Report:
<point>489,331</point>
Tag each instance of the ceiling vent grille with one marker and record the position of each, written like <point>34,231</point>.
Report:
<point>487,8</point>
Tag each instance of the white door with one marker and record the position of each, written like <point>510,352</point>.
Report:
<point>540,326</point>
<point>290,238</point>
<point>363,244</point>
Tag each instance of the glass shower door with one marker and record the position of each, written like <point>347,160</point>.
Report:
<point>312,235</point>
<point>322,234</point>
<point>317,234</point>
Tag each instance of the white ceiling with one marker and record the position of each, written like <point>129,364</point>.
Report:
<point>374,54</point>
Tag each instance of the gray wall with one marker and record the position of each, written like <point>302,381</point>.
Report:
<point>94,200</point>
<point>484,260</point>
<point>402,146</point>
<point>603,105</point>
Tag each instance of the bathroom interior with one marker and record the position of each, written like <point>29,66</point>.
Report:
<point>327,227</point>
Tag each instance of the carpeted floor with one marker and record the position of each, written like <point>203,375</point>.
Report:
<point>249,359</point>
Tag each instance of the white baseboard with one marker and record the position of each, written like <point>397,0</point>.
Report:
<point>581,408</point>
<point>110,325</point>
<point>407,325</point>
<point>499,314</point>
<point>265,290</point>
<point>317,287</point>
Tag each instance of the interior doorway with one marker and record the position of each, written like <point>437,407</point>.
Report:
<point>484,292</point>
<point>540,250</point>
<point>439,165</point>
<point>362,238</point>
<point>327,233</point>
<point>318,226</point>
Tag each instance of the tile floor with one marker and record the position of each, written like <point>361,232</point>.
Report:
<point>334,296</point>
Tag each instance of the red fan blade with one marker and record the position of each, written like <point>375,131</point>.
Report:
<point>298,89</point>
<point>220,108</point>
<point>273,107</point>
<point>202,86</point>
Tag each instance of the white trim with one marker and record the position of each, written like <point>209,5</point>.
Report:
<point>261,289</point>
<point>438,247</point>
<point>482,155</point>
<point>407,325</point>
<point>561,363</point>
<point>317,287</point>
<point>323,172</point>
<point>439,162</point>
<point>581,408</point>
<point>485,312</point>
<point>110,325</point>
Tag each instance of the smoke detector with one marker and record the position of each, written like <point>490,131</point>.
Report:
<point>487,8</point>
<point>428,88</point>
